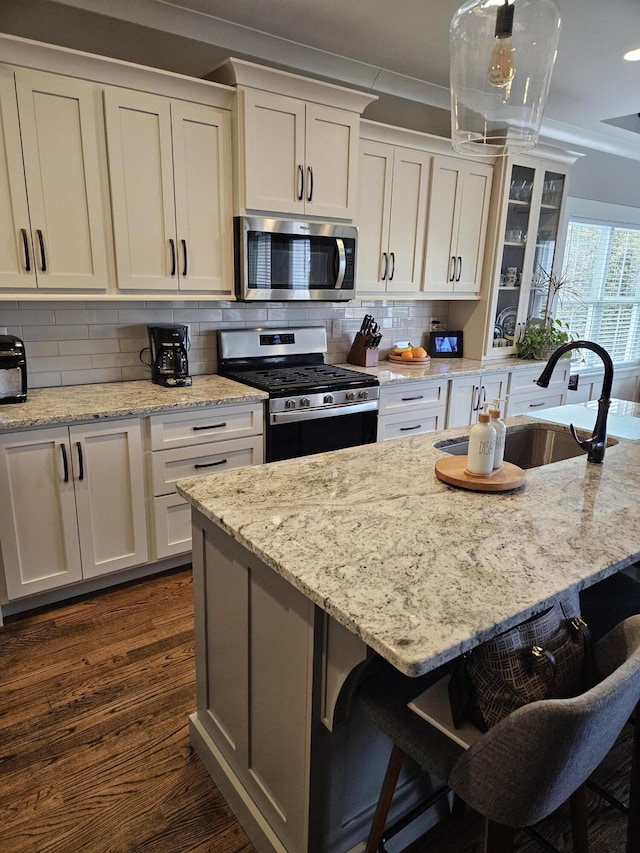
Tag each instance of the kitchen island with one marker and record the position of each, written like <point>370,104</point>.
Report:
<point>305,569</point>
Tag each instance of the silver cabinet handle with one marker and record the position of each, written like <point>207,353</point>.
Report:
<point>475,403</point>
<point>342,262</point>
<point>459,265</point>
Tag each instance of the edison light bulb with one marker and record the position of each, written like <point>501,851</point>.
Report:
<point>501,64</point>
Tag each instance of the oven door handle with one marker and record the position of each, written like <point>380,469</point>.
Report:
<point>342,262</point>
<point>316,414</point>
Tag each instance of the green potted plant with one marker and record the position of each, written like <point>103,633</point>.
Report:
<point>544,334</point>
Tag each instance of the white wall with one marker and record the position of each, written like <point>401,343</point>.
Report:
<point>605,178</point>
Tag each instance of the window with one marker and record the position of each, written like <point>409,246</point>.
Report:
<point>602,266</point>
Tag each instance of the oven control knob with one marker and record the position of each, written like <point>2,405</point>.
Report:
<point>328,398</point>
<point>350,395</point>
<point>290,404</point>
<point>305,402</point>
<point>363,395</point>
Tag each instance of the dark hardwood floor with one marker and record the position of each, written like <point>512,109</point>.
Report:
<point>94,748</point>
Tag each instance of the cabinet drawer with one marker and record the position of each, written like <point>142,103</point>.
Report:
<point>214,423</point>
<point>525,380</point>
<point>171,526</point>
<point>178,463</point>
<point>404,425</point>
<point>410,396</point>
<point>523,404</point>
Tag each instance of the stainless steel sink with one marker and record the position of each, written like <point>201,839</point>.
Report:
<point>529,446</point>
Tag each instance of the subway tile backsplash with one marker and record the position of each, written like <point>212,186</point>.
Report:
<point>102,342</point>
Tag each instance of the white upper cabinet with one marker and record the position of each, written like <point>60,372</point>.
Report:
<point>457,226</point>
<point>393,187</point>
<point>299,158</point>
<point>53,222</point>
<point>170,174</point>
<point>297,142</point>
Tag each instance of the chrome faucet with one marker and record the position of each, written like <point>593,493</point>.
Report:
<point>596,445</point>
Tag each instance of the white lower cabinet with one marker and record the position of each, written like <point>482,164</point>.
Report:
<point>525,397</point>
<point>468,393</point>
<point>73,504</point>
<point>411,409</point>
<point>192,444</point>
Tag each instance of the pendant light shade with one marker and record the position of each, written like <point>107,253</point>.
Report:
<point>502,54</point>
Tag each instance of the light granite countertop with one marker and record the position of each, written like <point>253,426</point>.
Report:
<point>76,403</point>
<point>392,372</point>
<point>420,570</point>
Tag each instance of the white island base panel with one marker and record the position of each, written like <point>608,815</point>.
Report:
<point>300,770</point>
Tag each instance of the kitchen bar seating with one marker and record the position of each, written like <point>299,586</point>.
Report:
<point>532,761</point>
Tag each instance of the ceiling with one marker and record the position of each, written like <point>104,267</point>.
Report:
<point>397,48</point>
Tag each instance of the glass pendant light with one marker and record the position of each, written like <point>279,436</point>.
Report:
<point>502,54</point>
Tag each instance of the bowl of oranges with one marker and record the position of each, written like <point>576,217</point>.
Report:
<point>405,353</point>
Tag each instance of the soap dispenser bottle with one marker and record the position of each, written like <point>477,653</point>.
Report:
<point>482,445</point>
<point>501,433</point>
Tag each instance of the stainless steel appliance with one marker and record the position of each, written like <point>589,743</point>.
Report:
<point>313,407</point>
<point>13,370</point>
<point>169,360</point>
<point>282,259</point>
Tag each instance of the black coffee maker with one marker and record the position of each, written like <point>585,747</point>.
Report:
<point>169,361</point>
<point>13,370</point>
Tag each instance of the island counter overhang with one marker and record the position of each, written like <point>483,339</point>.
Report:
<point>304,569</point>
<point>419,570</point>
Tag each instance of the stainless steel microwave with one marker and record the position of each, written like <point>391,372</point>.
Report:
<point>283,259</point>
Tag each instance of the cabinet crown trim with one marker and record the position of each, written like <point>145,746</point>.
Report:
<point>239,72</point>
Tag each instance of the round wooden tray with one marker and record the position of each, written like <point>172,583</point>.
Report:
<point>452,470</point>
<point>397,359</point>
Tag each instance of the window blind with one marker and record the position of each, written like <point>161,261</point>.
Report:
<point>601,301</point>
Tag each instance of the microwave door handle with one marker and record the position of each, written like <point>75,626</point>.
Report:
<point>342,263</point>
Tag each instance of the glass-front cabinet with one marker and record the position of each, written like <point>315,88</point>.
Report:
<point>533,195</point>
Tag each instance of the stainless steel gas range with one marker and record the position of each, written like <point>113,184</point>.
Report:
<point>313,406</point>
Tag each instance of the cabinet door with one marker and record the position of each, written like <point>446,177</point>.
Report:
<point>141,176</point>
<point>109,484</point>
<point>38,528</point>
<point>444,200</point>
<point>464,394</point>
<point>274,155</point>
<point>202,173</point>
<point>331,162</point>
<point>472,228</point>
<point>17,268</point>
<point>375,184</point>
<point>62,161</point>
<point>408,219</point>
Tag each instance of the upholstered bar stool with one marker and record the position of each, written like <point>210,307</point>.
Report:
<point>560,742</point>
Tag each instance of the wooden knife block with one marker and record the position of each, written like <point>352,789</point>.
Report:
<point>360,355</point>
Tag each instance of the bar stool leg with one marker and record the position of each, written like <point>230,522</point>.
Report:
<point>579,832</point>
<point>633,823</point>
<point>396,760</point>
<point>498,838</point>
